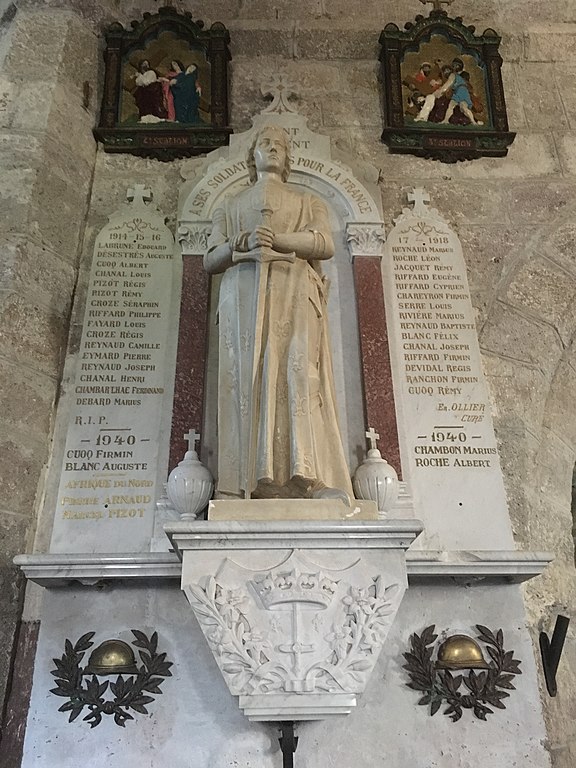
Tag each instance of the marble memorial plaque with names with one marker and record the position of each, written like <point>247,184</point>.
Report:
<point>107,493</point>
<point>448,445</point>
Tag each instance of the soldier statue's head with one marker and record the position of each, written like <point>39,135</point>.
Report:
<point>270,150</point>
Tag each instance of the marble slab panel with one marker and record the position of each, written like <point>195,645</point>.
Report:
<point>373,333</point>
<point>291,509</point>
<point>116,395</point>
<point>447,441</point>
<point>196,722</point>
<point>59,570</point>
<point>188,405</point>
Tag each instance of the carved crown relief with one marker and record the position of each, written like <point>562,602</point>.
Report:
<point>295,628</point>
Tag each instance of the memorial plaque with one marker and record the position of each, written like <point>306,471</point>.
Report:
<point>448,446</point>
<point>107,491</point>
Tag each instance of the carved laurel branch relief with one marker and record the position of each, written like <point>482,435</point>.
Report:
<point>314,634</point>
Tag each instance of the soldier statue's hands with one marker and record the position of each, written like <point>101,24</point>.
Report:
<point>260,244</point>
<point>260,237</point>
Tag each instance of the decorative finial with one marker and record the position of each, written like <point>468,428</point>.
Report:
<point>372,436</point>
<point>375,480</point>
<point>280,88</point>
<point>139,194</point>
<point>419,197</point>
<point>192,437</point>
<point>190,484</point>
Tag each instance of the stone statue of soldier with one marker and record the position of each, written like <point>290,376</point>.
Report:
<point>278,434</point>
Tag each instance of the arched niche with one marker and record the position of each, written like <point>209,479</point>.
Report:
<point>355,323</point>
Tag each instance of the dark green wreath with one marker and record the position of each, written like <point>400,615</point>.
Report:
<point>129,693</point>
<point>483,690</point>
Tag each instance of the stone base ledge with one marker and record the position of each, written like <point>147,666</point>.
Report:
<point>475,565</point>
<point>90,569</point>
<point>291,534</point>
<point>423,566</point>
<point>285,707</point>
<point>284,510</point>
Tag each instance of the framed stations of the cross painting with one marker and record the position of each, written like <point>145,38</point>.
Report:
<point>166,87</point>
<point>443,90</point>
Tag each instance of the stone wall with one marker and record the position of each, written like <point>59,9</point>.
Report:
<point>515,217</point>
<point>45,177</point>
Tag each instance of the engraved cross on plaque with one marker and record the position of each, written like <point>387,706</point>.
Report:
<point>372,436</point>
<point>437,3</point>
<point>139,194</point>
<point>280,89</point>
<point>192,437</point>
<point>419,197</point>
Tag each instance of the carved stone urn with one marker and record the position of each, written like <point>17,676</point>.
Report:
<point>190,486</point>
<point>377,481</point>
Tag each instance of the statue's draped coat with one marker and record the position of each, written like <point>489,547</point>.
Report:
<point>275,384</point>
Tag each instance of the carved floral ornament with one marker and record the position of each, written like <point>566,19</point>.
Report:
<point>193,238</point>
<point>365,239</point>
<point>295,629</point>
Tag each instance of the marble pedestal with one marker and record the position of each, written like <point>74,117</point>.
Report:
<point>295,611</point>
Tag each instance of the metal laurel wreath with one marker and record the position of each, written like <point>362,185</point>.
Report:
<point>132,693</point>
<point>482,690</point>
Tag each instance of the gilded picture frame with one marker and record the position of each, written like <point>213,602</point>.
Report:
<point>443,91</point>
<point>166,87</point>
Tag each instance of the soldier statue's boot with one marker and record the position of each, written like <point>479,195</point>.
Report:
<point>320,490</point>
<point>267,489</point>
<point>299,488</point>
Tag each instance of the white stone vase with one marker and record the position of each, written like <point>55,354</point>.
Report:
<point>375,480</point>
<point>190,486</point>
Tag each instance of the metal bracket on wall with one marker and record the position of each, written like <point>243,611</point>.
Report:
<point>551,651</point>
<point>288,744</point>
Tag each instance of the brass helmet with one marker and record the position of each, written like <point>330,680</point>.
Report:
<point>112,657</point>
<point>460,652</point>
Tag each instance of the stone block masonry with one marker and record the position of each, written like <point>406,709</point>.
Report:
<point>515,218</point>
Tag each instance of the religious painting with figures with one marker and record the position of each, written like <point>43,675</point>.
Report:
<point>444,97</point>
<point>166,88</point>
<point>165,84</point>
<point>441,86</point>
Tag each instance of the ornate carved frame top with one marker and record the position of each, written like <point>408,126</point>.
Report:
<point>425,114</point>
<point>166,132</point>
<point>314,166</point>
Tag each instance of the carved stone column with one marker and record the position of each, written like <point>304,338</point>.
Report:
<point>191,357</point>
<point>366,244</point>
